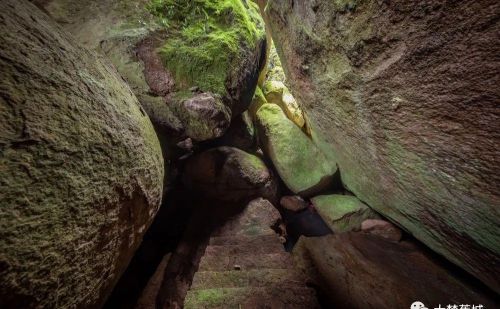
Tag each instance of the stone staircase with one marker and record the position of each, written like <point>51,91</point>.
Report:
<point>245,266</point>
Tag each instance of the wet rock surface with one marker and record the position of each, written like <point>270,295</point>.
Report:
<point>82,171</point>
<point>404,97</point>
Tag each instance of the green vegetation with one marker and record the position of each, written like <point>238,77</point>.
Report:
<point>208,39</point>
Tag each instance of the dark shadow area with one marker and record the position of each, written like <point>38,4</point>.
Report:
<point>162,237</point>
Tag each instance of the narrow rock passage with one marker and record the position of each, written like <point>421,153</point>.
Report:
<point>246,266</point>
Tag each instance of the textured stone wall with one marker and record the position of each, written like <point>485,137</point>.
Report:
<point>404,96</point>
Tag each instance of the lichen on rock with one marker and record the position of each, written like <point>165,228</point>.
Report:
<point>81,167</point>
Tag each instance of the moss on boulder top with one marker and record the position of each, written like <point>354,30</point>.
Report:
<point>342,213</point>
<point>302,166</point>
<point>209,41</point>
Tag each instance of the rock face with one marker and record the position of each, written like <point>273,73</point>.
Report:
<point>342,213</point>
<point>404,97</point>
<point>230,174</point>
<point>376,273</point>
<point>81,167</point>
<point>302,166</point>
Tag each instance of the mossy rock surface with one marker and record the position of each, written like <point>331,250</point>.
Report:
<point>276,92</point>
<point>81,169</point>
<point>164,48</point>
<point>301,165</point>
<point>218,46</point>
<point>342,213</point>
<point>411,118</point>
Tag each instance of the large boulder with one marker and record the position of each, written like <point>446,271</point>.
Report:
<point>358,270</point>
<point>404,97</point>
<point>81,167</point>
<point>230,174</point>
<point>165,48</point>
<point>342,213</point>
<point>302,166</point>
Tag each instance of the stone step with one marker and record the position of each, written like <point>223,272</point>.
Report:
<point>244,248</point>
<point>280,260</point>
<point>246,278</point>
<point>244,239</point>
<point>253,297</point>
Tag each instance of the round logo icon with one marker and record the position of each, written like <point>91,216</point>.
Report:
<point>418,305</point>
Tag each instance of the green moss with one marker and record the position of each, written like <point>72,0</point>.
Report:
<point>210,296</point>
<point>342,213</point>
<point>207,40</point>
<point>301,165</point>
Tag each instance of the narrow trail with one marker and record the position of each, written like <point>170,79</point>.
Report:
<point>246,266</point>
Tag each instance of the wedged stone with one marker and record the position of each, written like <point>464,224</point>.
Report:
<point>382,228</point>
<point>81,167</point>
<point>342,213</point>
<point>374,270</point>
<point>421,151</point>
<point>204,116</point>
<point>276,92</point>
<point>293,203</point>
<point>301,165</point>
<point>279,297</point>
<point>229,174</point>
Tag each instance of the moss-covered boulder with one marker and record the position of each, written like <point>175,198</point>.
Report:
<point>81,167</point>
<point>301,165</point>
<point>230,174</point>
<point>404,95</point>
<point>215,45</point>
<point>342,213</point>
<point>171,51</point>
<point>206,114</point>
<point>276,92</point>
